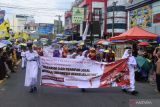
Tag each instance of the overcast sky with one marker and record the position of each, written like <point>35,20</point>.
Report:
<point>44,11</point>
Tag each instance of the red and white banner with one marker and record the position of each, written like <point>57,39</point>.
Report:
<point>77,73</point>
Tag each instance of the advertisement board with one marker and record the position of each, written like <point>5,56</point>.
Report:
<point>45,28</point>
<point>77,15</point>
<point>141,17</point>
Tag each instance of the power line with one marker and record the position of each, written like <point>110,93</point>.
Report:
<point>33,11</point>
<point>31,8</point>
<point>34,14</point>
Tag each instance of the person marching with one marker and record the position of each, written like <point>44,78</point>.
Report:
<point>65,51</point>
<point>110,56</point>
<point>131,66</point>
<point>92,54</point>
<point>31,69</point>
<point>23,55</point>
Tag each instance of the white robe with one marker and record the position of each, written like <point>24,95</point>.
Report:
<point>23,55</point>
<point>131,66</point>
<point>80,57</point>
<point>31,68</point>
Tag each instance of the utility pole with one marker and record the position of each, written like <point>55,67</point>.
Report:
<point>13,23</point>
<point>113,17</point>
<point>91,23</point>
<point>59,23</point>
<point>100,23</point>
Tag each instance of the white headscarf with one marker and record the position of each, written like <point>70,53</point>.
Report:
<point>131,60</point>
<point>125,55</point>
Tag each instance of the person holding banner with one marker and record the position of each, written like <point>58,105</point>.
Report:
<point>131,65</point>
<point>110,56</point>
<point>79,54</point>
<point>31,69</point>
<point>65,51</point>
<point>92,54</point>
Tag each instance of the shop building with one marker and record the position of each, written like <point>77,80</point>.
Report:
<point>145,14</point>
<point>116,17</point>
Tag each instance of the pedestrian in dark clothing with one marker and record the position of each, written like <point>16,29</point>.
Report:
<point>110,56</point>
<point>2,65</point>
<point>158,72</point>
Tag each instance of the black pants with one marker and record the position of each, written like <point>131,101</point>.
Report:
<point>10,65</point>
<point>158,81</point>
<point>2,71</point>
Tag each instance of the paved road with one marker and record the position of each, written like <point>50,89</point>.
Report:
<point>14,94</point>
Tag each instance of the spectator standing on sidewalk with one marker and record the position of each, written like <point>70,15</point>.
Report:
<point>23,55</point>
<point>158,72</point>
<point>2,65</point>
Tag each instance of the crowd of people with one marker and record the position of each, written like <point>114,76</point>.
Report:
<point>11,54</point>
<point>9,58</point>
<point>30,58</point>
<point>81,51</point>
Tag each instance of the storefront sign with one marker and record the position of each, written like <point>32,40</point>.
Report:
<point>77,15</point>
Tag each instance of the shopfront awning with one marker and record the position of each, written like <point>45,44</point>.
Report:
<point>135,33</point>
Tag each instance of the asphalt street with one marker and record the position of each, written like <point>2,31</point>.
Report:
<point>14,94</point>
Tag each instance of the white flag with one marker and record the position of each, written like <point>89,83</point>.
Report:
<point>85,31</point>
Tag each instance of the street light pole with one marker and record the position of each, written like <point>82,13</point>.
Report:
<point>113,17</point>
<point>100,23</point>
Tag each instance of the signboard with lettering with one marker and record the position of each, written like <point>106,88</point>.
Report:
<point>77,15</point>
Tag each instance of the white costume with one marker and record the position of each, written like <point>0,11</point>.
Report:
<point>31,68</point>
<point>80,57</point>
<point>131,65</point>
<point>84,52</point>
<point>23,55</point>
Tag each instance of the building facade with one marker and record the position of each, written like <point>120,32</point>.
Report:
<point>18,22</point>
<point>116,17</point>
<point>145,14</point>
<point>94,11</point>
<point>31,26</point>
<point>58,26</point>
<point>68,23</point>
<point>105,16</point>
